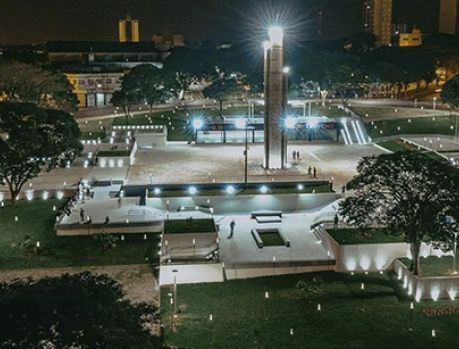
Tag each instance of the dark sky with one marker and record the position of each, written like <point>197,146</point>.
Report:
<point>37,21</point>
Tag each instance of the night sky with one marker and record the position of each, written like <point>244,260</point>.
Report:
<point>38,21</point>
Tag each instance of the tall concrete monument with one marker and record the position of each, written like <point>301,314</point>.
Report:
<point>275,91</point>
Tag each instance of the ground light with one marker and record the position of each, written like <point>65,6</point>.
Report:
<point>290,122</point>
<point>240,123</point>
<point>230,189</point>
<point>197,124</point>
<point>192,190</point>
<point>263,189</point>
<point>300,186</point>
<point>157,191</point>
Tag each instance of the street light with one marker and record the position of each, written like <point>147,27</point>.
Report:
<point>241,123</point>
<point>197,125</point>
<point>276,35</point>
<point>454,256</point>
<point>290,122</point>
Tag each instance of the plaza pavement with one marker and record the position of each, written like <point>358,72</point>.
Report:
<point>224,163</point>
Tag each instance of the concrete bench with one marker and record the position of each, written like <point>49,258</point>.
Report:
<point>266,213</point>
<point>268,219</point>
<point>257,238</point>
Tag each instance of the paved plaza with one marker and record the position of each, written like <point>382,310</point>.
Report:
<point>203,163</point>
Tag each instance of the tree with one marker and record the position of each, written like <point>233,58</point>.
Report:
<point>408,194</point>
<point>124,100</point>
<point>221,89</point>
<point>74,311</point>
<point>21,82</point>
<point>33,139</point>
<point>450,92</point>
<point>150,84</point>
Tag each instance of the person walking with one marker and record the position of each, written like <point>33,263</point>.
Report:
<point>232,224</point>
<point>298,155</point>
<point>314,172</point>
<point>294,154</point>
<point>82,214</point>
<point>335,221</point>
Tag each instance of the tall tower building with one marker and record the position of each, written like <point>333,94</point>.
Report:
<point>275,93</point>
<point>448,17</point>
<point>128,29</point>
<point>377,16</point>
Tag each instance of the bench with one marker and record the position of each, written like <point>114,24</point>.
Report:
<point>268,219</point>
<point>257,238</point>
<point>265,213</point>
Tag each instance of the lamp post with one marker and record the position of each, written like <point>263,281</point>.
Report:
<point>454,255</point>
<point>175,271</point>
<point>411,317</point>
<point>244,124</point>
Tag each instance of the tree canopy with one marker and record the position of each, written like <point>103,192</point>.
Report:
<point>73,311</point>
<point>33,139</point>
<point>450,92</point>
<point>20,82</point>
<point>221,89</point>
<point>409,194</point>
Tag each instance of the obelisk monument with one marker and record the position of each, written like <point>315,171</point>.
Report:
<point>275,93</point>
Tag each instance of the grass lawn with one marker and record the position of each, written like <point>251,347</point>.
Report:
<point>271,238</point>
<point>179,226</point>
<point>379,113</point>
<point>321,188</point>
<point>113,153</point>
<point>35,223</point>
<point>352,236</point>
<point>424,125</point>
<point>243,318</point>
<point>90,135</point>
<point>434,266</point>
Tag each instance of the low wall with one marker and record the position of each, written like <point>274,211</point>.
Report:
<point>31,194</point>
<point>188,245</point>
<point>372,257</point>
<point>430,287</point>
<point>111,228</point>
<point>247,203</point>
<point>247,273</point>
<point>365,257</point>
<point>118,161</point>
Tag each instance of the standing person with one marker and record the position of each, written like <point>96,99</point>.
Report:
<point>309,170</point>
<point>119,202</point>
<point>335,221</point>
<point>294,154</point>
<point>314,172</point>
<point>298,154</point>
<point>82,214</point>
<point>232,224</point>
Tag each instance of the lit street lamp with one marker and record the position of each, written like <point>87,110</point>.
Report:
<point>197,125</point>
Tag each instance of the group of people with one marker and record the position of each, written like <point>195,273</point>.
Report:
<point>312,171</point>
<point>296,155</point>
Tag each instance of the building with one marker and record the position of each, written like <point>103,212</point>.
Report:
<point>95,68</point>
<point>128,29</point>
<point>94,89</point>
<point>448,17</point>
<point>377,16</point>
<point>412,39</point>
<point>106,53</point>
